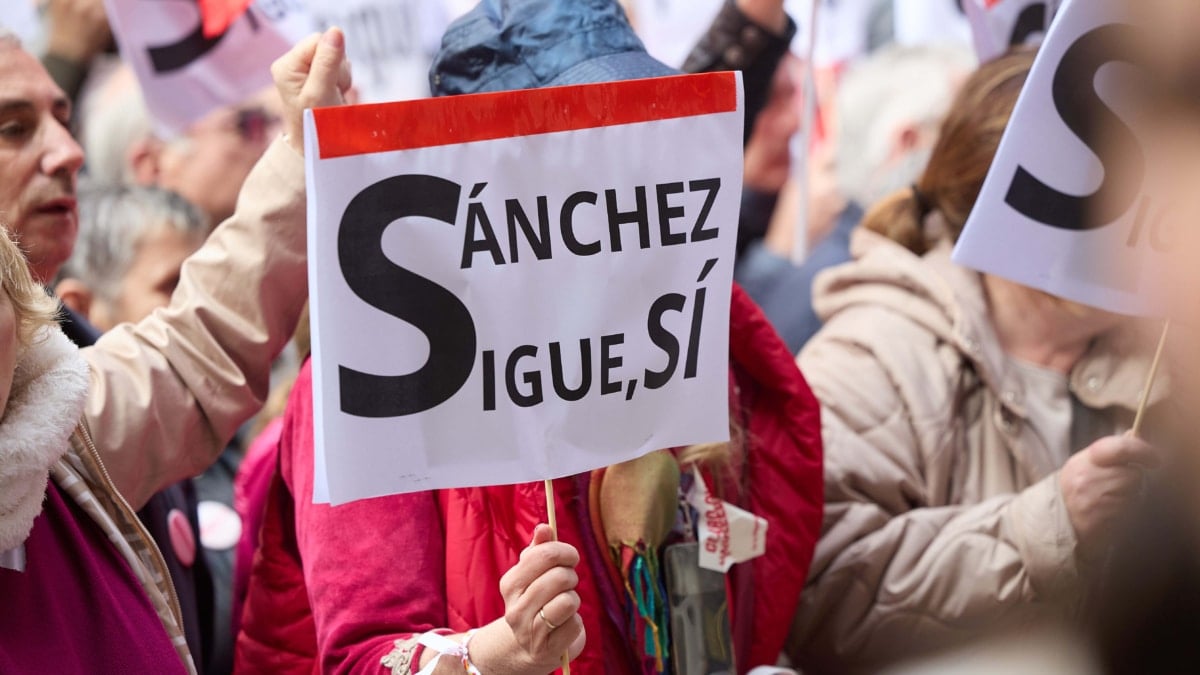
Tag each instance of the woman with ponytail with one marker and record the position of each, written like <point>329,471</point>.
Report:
<point>973,470</point>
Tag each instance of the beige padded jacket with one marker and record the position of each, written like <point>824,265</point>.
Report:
<point>931,533</point>
<point>168,393</point>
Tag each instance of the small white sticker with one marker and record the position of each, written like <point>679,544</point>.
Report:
<point>727,534</point>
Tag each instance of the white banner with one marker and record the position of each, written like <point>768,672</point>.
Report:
<point>997,25</point>
<point>1039,220</point>
<point>518,286</point>
<point>184,75</point>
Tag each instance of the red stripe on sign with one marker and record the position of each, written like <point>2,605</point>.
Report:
<point>404,125</point>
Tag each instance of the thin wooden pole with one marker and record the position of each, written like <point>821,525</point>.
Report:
<point>1145,402</point>
<point>552,516</point>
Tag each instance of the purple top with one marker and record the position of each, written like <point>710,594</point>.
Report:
<point>77,607</point>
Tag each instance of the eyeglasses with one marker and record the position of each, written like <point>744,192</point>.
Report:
<point>252,124</point>
<point>255,124</point>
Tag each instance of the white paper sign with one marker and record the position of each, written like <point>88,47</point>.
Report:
<point>997,25</point>
<point>1036,221</point>
<point>183,75</point>
<point>390,42</point>
<point>726,533</point>
<point>519,286</point>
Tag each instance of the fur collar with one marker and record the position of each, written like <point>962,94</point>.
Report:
<point>49,389</point>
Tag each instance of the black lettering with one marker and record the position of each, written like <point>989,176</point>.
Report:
<point>585,368</point>
<point>489,380</point>
<point>608,362</point>
<point>639,215</point>
<point>1031,21</point>
<point>693,353</point>
<point>532,378</point>
<point>539,243</point>
<point>566,222</point>
<point>1085,114</point>
<point>712,186</point>
<point>428,307</point>
<point>666,212</point>
<point>181,53</point>
<point>663,338</point>
<point>477,218</point>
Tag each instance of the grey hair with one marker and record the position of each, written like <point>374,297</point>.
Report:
<point>112,224</point>
<point>112,123</point>
<point>893,88</point>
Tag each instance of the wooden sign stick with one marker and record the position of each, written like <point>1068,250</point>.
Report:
<point>552,516</point>
<point>1144,403</point>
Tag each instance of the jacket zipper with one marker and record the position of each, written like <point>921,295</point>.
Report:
<point>131,515</point>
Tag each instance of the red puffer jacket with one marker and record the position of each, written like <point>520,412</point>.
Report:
<point>334,588</point>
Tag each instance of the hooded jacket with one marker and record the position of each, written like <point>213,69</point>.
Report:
<point>943,515</point>
<point>337,590</point>
<point>165,395</point>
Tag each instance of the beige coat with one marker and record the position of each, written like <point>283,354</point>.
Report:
<point>931,535</point>
<point>168,393</point>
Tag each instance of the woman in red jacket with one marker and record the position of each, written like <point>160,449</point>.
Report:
<point>361,587</point>
<point>342,590</point>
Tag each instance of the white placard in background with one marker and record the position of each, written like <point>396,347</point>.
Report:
<point>1036,221</point>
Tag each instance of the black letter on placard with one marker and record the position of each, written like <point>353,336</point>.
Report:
<point>566,218</point>
<point>666,213</point>
<point>585,371</point>
<point>638,216</point>
<point>1083,112</point>
<point>1030,21</point>
<point>533,378</point>
<point>170,57</point>
<point>712,186</point>
<point>693,352</point>
<point>383,284</point>
<point>663,338</point>
<point>609,361</point>
<point>538,241</point>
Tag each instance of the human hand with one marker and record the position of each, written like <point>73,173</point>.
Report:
<point>541,610</point>
<point>77,29</point>
<point>1098,484</point>
<point>313,74</point>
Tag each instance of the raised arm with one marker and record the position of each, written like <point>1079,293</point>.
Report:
<point>168,393</point>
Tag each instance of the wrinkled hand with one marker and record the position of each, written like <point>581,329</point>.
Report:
<point>77,29</point>
<point>544,580</point>
<point>1099,483</point>
<point>314,74</point>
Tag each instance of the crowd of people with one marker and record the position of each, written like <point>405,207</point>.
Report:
<point>942,456</point>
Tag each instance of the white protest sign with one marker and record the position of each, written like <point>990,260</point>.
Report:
<point>1038,220</point>
<point>997,25</point>
<point>521,285</point>
<point>390,42</point>
<point>919,22</point>
<point>20,17</point>
<point>184,75</point>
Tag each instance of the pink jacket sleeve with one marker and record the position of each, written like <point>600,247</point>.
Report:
<point>375,569</point>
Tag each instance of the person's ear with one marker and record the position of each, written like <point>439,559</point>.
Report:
<point>76,295</point>
<point>143,161</point>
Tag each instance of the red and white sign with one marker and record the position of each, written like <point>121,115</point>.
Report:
<point>1066,209</point>
<point>997,25</point>
<point>521,285</point>
<point>726,533</point>
<point>185,75</point>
